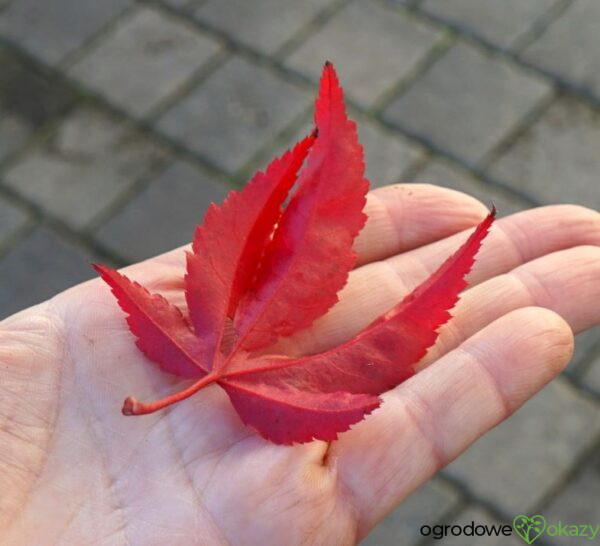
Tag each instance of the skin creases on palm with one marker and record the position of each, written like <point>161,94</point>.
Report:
<point>64,436</point>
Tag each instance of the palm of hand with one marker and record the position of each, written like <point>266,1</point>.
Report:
<point>74,470</point>
<point>154,480</point>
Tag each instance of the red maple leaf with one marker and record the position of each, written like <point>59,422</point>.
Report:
<point>259,271</point>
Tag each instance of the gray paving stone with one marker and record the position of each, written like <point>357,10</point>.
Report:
<point>520,461</point>
<point>388,155</point>
<point>262,24</point>
<point>577,504</point>
<point>591,376</point>
<point>372,47</point>
<point>79,170</point>
<point>441,173</point>
<point>569,46</point>
<point>585,343</point>
<point>557,159</point>
<point>467,102</point>
<point>13,132</point>
<point>478,516</point>
<point>37,269</point>
<point>11,219</point>
<point>498,21</point>
<point>239,108</point>
<point>28,99</point>
<point>426,506</point>
<point>145,58</point>
<point>164,215</point>
<point>50,30</point>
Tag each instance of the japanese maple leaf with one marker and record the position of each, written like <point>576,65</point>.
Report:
<point>259,271</point>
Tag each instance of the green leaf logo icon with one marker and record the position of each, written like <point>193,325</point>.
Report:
<point>529,528</point>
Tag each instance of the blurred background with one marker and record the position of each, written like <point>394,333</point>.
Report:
<point>121,120</point>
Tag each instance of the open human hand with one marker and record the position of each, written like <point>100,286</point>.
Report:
<point>74,470</point>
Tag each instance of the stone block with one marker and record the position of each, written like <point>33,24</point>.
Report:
<point>143,59</point>
<point>43,253</point>
<point>79,170</point>
<point>372,46</point>
<point>234,113</point>
<point>163,216</point>
<point>467,102</point>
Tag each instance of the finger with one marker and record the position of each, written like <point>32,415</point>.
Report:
<point>512,241</point>
<point>567,282</point>
<point>401,217</point>
<point>430,419</point>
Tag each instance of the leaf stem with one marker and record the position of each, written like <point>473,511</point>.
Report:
<point>131,406</point>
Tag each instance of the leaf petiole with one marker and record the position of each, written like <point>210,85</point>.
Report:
<point>132,406</point>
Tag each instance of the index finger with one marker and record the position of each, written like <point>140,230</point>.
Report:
<point>401,217</point>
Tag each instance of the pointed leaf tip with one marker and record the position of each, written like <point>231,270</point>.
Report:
<point>297,280</point>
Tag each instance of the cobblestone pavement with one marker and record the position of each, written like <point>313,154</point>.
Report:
<point>120,121</point>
